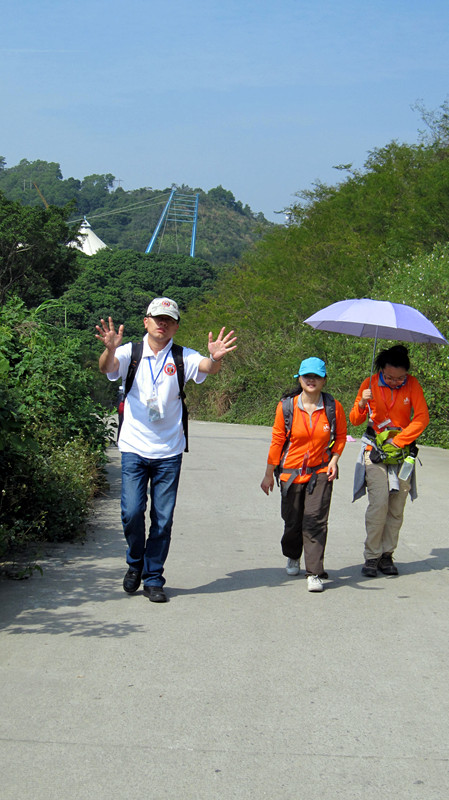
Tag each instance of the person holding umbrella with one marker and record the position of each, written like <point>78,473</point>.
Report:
<point>308,438</point>
<point>392,403</point>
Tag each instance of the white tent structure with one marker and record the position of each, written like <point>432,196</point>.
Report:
<point>89,243</point>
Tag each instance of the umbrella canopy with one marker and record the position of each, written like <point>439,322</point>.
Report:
<point>378,319</point>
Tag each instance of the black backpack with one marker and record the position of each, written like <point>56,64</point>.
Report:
<point>136,356</point>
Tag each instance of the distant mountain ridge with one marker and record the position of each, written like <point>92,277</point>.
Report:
<point>126,219</point>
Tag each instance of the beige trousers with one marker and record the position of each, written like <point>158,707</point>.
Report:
<point>385,512</point>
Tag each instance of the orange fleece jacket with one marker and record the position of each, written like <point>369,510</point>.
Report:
<point>405,407</point>
<point>303,440</point>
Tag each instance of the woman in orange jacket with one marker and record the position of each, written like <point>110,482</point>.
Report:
<point>308,466</point>
<point>392,403</point>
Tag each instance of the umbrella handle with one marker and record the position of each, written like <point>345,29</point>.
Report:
<point>372,368</point>
<point>372,362</point>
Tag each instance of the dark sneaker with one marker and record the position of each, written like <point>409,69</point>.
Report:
<point>370,568</point>
<point>386,564</point>
<point>131,581</point>
<point>155,593</point>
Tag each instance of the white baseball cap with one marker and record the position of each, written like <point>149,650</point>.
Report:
<point>163,306</point>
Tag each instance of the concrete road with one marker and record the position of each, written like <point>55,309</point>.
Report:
<point>244,685</point>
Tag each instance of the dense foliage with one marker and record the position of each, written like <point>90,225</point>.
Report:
<point>34,259</point>
<point>126,219</point>
<point>121,284</point>
<point>52,434</point>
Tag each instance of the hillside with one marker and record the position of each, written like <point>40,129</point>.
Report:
<point>382,233</point>
<point>126,219</point>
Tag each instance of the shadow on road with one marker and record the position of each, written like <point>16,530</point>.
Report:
<point>348,576</point>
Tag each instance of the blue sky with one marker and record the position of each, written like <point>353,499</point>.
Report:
<point>263,98</point>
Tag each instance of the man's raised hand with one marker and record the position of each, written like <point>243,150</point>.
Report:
<point>108,335</point>
<point>222,345</point>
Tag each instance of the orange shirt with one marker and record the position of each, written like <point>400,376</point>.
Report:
<point>308,436</point>
<point>405,407</point>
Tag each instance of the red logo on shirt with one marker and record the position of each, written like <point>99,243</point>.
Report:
<point>170,369</point>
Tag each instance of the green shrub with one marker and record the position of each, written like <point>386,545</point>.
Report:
<point>53,434</point>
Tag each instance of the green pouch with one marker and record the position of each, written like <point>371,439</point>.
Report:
<point>394,455</point>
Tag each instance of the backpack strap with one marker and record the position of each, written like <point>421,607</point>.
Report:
<point>136,356</point>
<point>287,410</point>
<point>329,410</point>
<point>177,353</point>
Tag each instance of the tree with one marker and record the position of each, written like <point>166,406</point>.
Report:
<point>437,124</point>
<point>94,191</point>
<point>35,262</point>
<point>122,282</point>
<point>19,183</point>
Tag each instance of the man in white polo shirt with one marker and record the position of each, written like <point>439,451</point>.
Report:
<point>152,438</point>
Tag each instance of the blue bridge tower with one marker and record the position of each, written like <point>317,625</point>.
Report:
<point>179,208</point>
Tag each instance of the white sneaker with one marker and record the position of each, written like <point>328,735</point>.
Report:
<point>292,566</point>
<point>314,584</point>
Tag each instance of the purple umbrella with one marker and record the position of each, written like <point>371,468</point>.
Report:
<point>376,318</point>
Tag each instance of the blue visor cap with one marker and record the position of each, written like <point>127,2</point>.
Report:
<point>312,366</point>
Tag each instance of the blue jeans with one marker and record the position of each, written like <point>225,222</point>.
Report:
<point>163,473</point>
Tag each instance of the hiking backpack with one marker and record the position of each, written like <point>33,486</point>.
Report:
<point>136,356</point>
<point>287,410</point>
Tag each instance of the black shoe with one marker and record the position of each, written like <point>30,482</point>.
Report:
<point>386,564</point>
<point>155,593</point>
<point>370,568</point>
<point>131,581</point>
